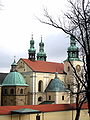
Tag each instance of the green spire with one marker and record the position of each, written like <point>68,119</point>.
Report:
<point>32,50</point>
<point>13,65</point>
<point>73,51</point>
<point>41,55</point>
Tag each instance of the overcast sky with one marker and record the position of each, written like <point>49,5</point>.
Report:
<point>18,22</point>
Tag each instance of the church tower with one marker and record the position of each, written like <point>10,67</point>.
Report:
<point>32,50</point>
<point>41,55</point>
<point>73,58</point>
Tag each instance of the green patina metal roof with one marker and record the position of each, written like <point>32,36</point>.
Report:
<point>14,79</point>
<point>56,85</point>
<point>72,59</point>
<point>32,49</point>
<point>41,55</point>
<point>14,63</point>
<point>25,111</point>
<point>73,50</point>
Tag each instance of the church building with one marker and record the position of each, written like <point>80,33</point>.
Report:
<point>36,81</point>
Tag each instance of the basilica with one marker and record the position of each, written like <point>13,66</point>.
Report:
<point>34,80</point>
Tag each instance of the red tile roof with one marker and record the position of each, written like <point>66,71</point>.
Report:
<point>6,110</point>
<point>43,66</point>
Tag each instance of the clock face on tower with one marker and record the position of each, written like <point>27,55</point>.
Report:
<point>78,68</point>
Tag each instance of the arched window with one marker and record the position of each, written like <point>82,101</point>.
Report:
<point>40,99</point>
<point>40,86</point>
<point>21,91</point>
<point>12,91</point>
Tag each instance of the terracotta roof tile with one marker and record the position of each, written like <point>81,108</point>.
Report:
<point>43,66</point>
<point>5,110</point>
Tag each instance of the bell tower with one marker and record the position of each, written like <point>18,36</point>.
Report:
<point>32,50</point>
<point>41,55</point>
<point>73,58</point>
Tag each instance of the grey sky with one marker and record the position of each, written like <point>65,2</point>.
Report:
<point>18,22</point>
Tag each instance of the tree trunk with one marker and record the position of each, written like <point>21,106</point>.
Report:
<point>77,114</point>
<point>88,82</point>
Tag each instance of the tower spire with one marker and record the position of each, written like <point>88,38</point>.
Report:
<point>32,50</point>
<point>41,55</point>
<point>13,65</point>
<point>73,51</point>
<point>32,37</point>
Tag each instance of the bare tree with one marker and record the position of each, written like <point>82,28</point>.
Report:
<point>78,21</point>
<point>79,92</point>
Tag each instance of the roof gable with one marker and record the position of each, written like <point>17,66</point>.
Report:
<point>43,66</point>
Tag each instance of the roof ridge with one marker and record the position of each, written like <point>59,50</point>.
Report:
<point>42,61</point>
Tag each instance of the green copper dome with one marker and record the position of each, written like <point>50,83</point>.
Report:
<point>73,48</point>
<point>14,79</point>
<point>41,43</point>
<point>41,53</point>
<point>32,49</point>
<point>56,85</point>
